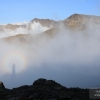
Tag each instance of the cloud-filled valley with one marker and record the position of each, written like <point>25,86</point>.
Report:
<point>68,53</point>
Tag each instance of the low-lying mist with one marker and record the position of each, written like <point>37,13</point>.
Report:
<point>70,57</point>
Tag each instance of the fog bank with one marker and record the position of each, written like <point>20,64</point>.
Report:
<point>69,57</point>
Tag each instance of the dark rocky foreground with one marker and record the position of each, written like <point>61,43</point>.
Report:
<point>43,89</point>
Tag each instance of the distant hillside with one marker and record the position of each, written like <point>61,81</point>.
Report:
<point>11,27</point>
<point>46,22</point>
<point>73,22</point>
<point>80,20</point>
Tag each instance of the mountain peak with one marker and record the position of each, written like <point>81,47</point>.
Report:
<point>45,22</point>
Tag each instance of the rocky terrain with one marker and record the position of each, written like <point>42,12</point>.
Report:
<point>45,22</point>
<point>43,89</point>
<point>10,27</point>
<point>74,22</point>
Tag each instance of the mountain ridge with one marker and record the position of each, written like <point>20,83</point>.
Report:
<point>73,22</point>
<point>47,22</point>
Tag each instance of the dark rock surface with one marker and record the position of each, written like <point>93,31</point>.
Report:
<point>2,85</point>
<point>43,89</point>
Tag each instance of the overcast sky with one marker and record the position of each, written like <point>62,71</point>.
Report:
<point>12,11</point>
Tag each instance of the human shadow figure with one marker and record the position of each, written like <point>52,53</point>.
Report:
<point>13,75</point>
<point>13,70</point>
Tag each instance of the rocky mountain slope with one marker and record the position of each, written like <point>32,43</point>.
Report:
<point>73,22</point>
<point>43,89</point>
<point>78,19</point>
<point>45,22</point>
<point>10,27</point>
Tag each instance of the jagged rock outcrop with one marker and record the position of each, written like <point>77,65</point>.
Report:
<point>2,85</point>
<point>43,89</point>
